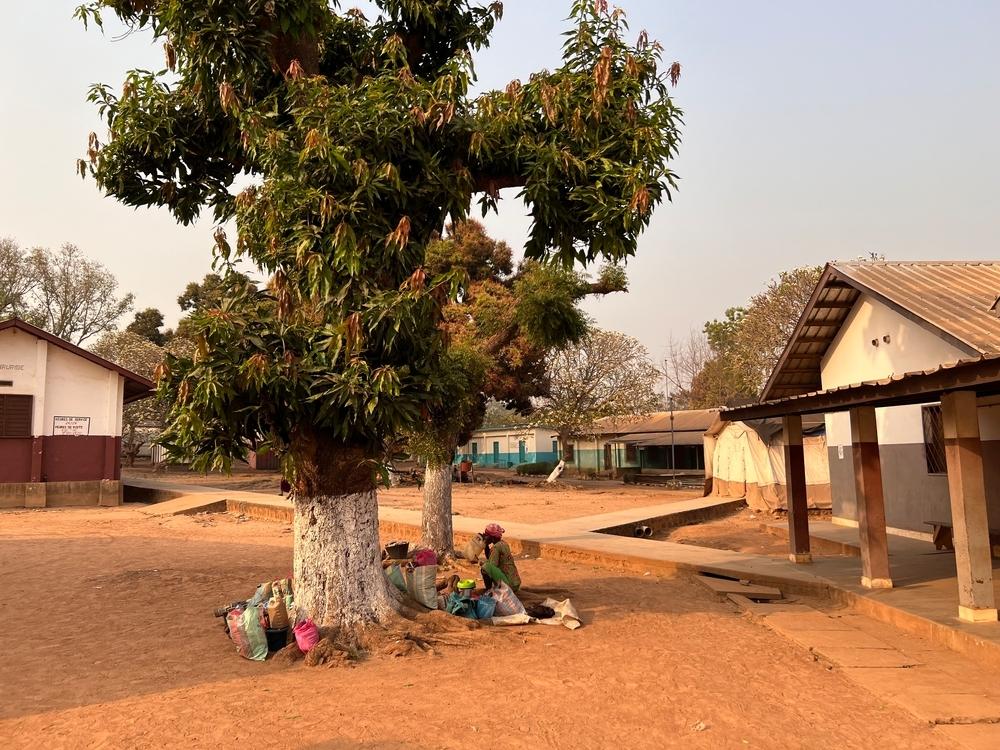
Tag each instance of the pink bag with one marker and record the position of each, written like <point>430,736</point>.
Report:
<point>424,557</point>
<point>306,635</point>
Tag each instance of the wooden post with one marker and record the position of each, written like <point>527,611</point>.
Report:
<point>795,490</point>
<point>871,500</point>
<point>964,454</point>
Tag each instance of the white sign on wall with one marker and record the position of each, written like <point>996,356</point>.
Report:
<point>71,425</point>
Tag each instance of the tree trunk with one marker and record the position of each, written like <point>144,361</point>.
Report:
<point>338,573</point>
<point>436,528</point>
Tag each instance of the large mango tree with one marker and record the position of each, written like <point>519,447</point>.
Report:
<point>341,145</point>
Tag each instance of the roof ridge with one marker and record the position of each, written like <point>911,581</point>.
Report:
<point>864,263</point>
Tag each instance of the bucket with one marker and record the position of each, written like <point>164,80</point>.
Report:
<point>277,638</point>
<point>397,550</point>
<point>465,587</point>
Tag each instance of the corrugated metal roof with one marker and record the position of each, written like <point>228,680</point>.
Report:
<point>678,437</point>
<point>958,368</point>
<point>954,299</point>
<point>688,419</point>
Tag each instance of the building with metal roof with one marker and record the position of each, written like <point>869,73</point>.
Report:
<point>903,359</point>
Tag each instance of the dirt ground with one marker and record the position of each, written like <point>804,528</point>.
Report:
<point>739,532</point>
<point>538,504</point>
<point>111,643</point>
<point>527,502</point>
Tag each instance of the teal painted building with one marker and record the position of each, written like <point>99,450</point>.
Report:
<point>506,447</point>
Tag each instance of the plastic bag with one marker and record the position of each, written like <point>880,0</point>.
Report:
<point>485,607</point>
<point>459,606</point>
<point>420,584</point>
<point>395,576</point>
<point>253,629</point>
<point>277,613</point>
<point>234,622</point>
<point>507,602</point>
<point>306,635</point>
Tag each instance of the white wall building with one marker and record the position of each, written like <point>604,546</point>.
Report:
<point>871,321</point>
<point>60,420</point>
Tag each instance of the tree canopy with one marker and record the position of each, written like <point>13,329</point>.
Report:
<point>363,138</point>
<point>608,374</point>
<point>147,324</point>
<point>64,292</point>
<point>732,362</point>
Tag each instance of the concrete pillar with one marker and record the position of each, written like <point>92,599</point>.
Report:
<point>110,493</point>
<point>795,491</point>
<point>35,495</point>
<point>964,454</point>
<point>871,500</point>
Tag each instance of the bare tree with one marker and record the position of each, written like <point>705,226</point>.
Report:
<point>16,281</point>
<point>73,297</point>
<point>608,374</point>
<point>686,359</point>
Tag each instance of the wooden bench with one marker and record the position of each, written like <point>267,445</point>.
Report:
<point>942,535</point>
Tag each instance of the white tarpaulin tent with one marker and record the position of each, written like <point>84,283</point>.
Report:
<point>746,459</point>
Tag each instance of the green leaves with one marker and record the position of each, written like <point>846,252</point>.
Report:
<point>360,140</point>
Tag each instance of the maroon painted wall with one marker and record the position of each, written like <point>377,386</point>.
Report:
<point>15,459</point>
<point>68,458</point>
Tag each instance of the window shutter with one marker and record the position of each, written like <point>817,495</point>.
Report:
<point>15,415</point>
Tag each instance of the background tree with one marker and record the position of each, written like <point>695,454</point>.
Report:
<point>65,293</point>
<point>16,281</point>
<point>740,351</point>
<point>498,414</point>
<point>142,421</point>
<point>147,324</point>
<point>500,329</point>
<point>608,374</point>
<point>768,322</point>
<point>74,297</point>
<point>362,139</point>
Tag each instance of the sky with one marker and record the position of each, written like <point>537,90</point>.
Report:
<point>813,132</point>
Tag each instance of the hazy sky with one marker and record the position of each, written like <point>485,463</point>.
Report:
<point>814,131</point>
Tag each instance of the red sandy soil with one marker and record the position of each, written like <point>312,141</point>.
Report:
<point>739,532</point>
<point>526,502</point>
<point>537,504</point>
<point>110,643</point>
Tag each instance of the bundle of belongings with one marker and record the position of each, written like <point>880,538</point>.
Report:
<point>268,621</point>
<point>497,603</point>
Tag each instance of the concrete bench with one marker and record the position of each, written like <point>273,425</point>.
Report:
<point>943,536</point>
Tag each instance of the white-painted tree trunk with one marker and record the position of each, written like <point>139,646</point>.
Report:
<point>339,579</point>
<point>436,525</point>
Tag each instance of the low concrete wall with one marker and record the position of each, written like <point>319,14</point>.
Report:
<point>661,523</point>
<point>106,492</point>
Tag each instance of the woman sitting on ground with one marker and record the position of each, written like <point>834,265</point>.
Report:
<point>499,565</point>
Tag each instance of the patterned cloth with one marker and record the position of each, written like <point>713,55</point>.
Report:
<point>500,565</point>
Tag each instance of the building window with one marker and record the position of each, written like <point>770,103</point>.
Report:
<point>15,416</point>
<point>934,440</point>
<point>555,447</point>
<point>475,450</point>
